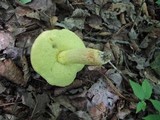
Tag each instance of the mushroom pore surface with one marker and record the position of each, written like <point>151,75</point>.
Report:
<point>44,55</point>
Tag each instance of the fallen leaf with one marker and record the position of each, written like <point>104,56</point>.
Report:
<point>72,23</point>
<point>26,73</point>
<point>123,113</point>
<point>21,12</point>
<point>53,20</point>
<point>2,88</point>
<point>140,60</point>
<point>36,102</point>
<point>79,102</point>
<point>55,110</point>
<point>4,4</point>
<point>100,2</point>
<point>132,34</point>
<point>149,74</point>
<point>10,71</point>
<point>79,13</point>
<point>100,93</point>
<point>75,84</point>
<point>45,8</point>
<point>97,112</point>
<point>83,115</point>
<point>155,65</point>
<point>59,1</point>
<point>13,52</point>
<point>115,77</point>
<point>117,53</point>
<point>94,21</point>
<point>64,101</point>
<point>6,40</point>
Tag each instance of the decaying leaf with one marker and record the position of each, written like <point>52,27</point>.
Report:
<point>46,8</point>
<point>55,110</point>
<point>94,21</point>
<point>117,53</point>
<point>98,112</point>
<point>115,76</point>
<point>100,93</point>
<point>37,103</point>
<point>79,13</point>
<point>156,64</point>
<point>53,20</point>
<point>75,84</point>
<point>11,105</point>
<point>80,103</point>
<point>20,15</point>
<point>13,52</point>
<point>83,115</point>
<point>151,76</point>
<point>71,23</point>
<point>10,71</point>
<point>6,40</point>
<point>63,100</point>
<point>140,60</point>
<point>26,74</point>
<point>2,88</point>
<point>123,113</point>
<point>76,20</point>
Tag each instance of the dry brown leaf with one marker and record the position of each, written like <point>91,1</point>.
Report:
<point>80,103</point>
<point>97,112</point>
<point>123,113</point>
<point>6,40</point>
<point>115,77</point>
<point>26,74</point>
<point>16,109</point>
<point>117,53</point>
<point>100,93</point>
<point>59,1</point>
<point>134,46</point>
<point>115,90</point>
<point>2,88</point>
<point>75,84</point>
<point>151,76</point>
<point>21,12</point>
<point>10,71</point>
<point>122,19</point>
<point>94,21</point>
<point>53,20</point>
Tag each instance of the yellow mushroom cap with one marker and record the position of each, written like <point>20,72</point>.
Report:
<point>44,55</point>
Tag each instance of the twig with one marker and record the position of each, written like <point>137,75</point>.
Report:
<point>7,104</point>
<point>76,84</point>
<point>95,40</point>
<point>117,91</point>
<point>122,28</point>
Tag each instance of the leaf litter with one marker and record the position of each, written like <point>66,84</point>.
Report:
<point>130,29</point>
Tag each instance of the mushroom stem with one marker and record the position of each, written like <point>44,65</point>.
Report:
<point>85,56</point>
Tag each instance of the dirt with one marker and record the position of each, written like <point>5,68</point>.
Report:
<point>130,30</point>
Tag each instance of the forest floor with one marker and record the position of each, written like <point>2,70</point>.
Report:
<point>129,29</point>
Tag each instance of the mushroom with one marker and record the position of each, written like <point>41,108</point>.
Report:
<point>57,55</point>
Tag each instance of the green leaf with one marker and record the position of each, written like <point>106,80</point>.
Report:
<point>158,2</point>
<point>152,117</point>
<point>141,106</point>
<point>147,88</point>
<point>25,1</point>
<point>156,104</point>
<point>137,89</point>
